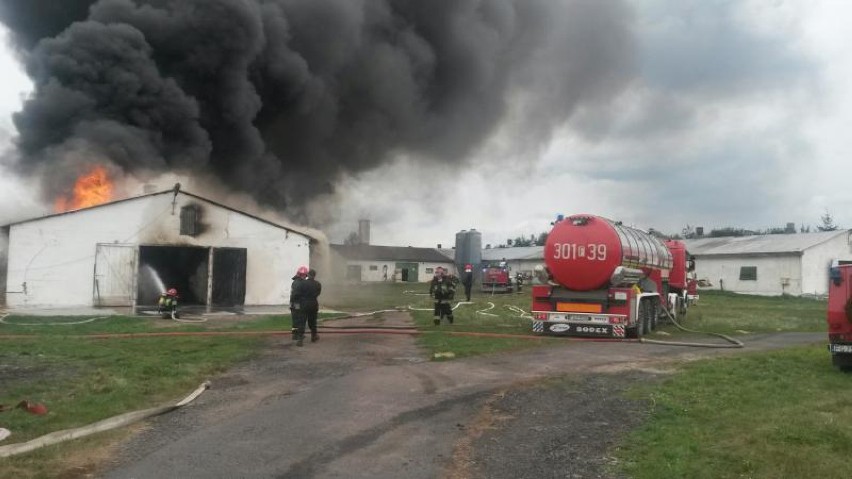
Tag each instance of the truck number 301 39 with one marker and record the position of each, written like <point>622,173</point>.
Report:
<point>591,251</point>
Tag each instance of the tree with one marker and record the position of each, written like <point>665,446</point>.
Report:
<point>542,239</point>
<point>521,241</point>
<point>805,229</point>
<point>827,222</point>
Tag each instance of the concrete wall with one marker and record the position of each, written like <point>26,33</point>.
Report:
<point>772,273</point>
<point>817,260</point>
<point>52,260</point>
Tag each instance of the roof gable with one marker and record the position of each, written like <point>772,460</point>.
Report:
<point>169,192</point>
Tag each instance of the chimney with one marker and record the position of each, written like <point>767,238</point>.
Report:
<point>364,231</point>
<point>439,245</point>
<point>699,231</point>
<point>791,228</point>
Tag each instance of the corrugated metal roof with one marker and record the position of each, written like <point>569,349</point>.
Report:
<point>368,252</point>
<point>760,244</point>
<point>513,254</point>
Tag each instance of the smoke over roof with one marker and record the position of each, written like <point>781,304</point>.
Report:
<point>281,98</point>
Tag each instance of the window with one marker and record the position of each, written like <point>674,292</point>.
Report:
<point>190,220</point>
<point>374,267</point>
<point>430,270</point>
<point>748,273</point>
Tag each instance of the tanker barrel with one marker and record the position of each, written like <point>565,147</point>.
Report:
<point>584,252</point>
<point>626,276</point>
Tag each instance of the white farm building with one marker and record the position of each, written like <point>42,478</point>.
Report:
<point>124,253</point>
<point>777,264</point>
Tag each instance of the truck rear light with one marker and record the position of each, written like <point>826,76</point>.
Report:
<point>615,320</point>
<point>540,316</point>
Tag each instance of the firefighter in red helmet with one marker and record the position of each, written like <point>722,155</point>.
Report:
<point>168,304</point>
<point>298,304</point>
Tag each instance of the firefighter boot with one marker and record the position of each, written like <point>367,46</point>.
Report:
<point>300,341</point>
<point>294,334</point>
<point>437,321</point>
<point>314,336</point>
<point>450,319</point>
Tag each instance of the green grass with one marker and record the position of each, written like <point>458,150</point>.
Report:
<point>728,313</point>
<point>85,380</point>
<point>778,414</point>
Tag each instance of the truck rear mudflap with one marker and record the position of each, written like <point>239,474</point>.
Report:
<point>585,330</point>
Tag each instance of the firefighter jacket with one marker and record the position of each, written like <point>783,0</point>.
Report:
<point>311,290</point>
<point>442,289</point>
<point>298,293</point>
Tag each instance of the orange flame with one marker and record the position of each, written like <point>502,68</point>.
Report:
<point>92,188</point>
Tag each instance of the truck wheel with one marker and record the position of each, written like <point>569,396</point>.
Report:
<point>646,311</point>
<point>654,316</point>
<point>681,307</point>
<point>638,330</point>
<point>842,361</point>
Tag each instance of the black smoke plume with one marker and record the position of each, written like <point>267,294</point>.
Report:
<point>279,98</point>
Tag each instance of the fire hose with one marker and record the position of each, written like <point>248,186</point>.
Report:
<point>734,343</point>
<point>104,425</point>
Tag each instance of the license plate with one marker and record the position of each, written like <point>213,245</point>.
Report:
<point>574,329</point>
<point>840,348</point>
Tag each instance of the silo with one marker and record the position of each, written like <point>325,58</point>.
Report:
<point>469,251</point>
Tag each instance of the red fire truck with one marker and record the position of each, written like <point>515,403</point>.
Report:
<point>605,279</point>
<point>840,316</point>
<point>495,278</point>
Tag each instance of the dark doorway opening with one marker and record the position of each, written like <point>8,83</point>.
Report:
<point>184,268</point>
<point>229,276</point>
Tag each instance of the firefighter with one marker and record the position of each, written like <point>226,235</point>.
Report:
<point>442,288</point>
<point>298,298</point>
<point>313,289</point>
<point>467,280</point>
<point>519,280</point>
<point>168,304</point>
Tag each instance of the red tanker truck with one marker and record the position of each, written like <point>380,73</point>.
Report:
<point>605,279</point>
<point>840,316</point>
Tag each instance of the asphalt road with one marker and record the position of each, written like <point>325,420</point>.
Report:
<point>373,406</point>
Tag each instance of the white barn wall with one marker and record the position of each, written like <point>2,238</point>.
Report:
<point>55,256</point>
<point>817,260</point>
<point>377,276</point>
<point>770,271</point>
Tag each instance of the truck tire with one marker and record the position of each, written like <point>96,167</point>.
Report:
<point>842,361</point>
<point>639,329</point>
<point>646,315</point>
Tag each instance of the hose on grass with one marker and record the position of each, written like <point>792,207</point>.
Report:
<point>104,425</point>
<point>734,343</point>
<point>63,323</point>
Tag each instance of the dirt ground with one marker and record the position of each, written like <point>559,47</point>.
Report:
<point>374,406</point>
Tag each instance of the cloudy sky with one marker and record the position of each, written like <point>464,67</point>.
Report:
<point>729,113</point>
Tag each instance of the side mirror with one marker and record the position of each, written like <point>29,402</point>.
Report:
<point>835,276</point>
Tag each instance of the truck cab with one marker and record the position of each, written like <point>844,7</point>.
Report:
<point>839,316</point>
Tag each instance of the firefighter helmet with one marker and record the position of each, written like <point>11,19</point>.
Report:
<point>302,271</point>
<point>172,292</point>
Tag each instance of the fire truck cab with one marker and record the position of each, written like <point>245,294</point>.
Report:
<point>840,316</point>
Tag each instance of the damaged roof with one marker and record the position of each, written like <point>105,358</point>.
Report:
<point>777,244</point>
<point>170,192</point>
<point>368,252</point>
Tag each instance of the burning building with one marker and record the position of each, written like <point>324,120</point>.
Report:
<point>124,253</point>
